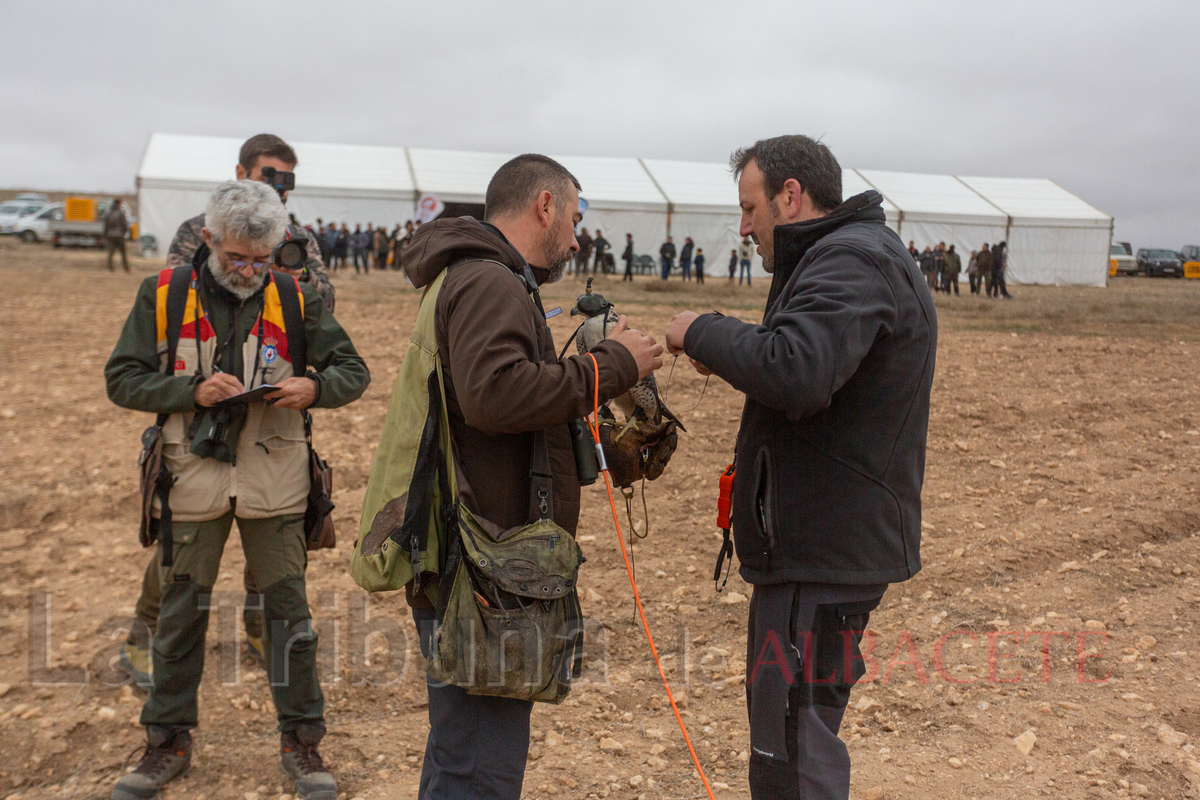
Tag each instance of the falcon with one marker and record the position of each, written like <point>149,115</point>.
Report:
<point>641,403</point>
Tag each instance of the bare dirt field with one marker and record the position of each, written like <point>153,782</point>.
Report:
<point>1047,648</point>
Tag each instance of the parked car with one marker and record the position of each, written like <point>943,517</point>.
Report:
<point>13,210</point>
<point>1156,263</point>
<point>33,197</point>
<point>1120,262</point>
<point>35,227</point>
<point>1190,252</point>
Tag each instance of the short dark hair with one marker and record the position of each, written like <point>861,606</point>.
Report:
<point>265,144</point>
<point>807,160</point>
<point>516,184</point>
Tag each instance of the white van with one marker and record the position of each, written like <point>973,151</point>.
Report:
<point>35,227</point>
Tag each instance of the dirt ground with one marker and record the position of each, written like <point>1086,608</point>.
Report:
<point>1059,512</point>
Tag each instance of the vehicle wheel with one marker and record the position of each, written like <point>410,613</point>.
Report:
<point>29,237</point>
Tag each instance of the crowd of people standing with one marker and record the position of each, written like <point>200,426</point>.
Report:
<point>941,267</point>
<point>364,249</point>
<point>596,256</point>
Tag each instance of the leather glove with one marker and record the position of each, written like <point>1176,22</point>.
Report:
<point>643,452</point>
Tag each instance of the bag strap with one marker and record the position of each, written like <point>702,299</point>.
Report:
<point>293,321</point>
<point>177,295</point>
<point>541,480</point>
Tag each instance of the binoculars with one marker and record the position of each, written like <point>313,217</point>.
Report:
<point>214,434</point>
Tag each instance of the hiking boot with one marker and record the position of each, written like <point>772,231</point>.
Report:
<point>135,661</point>
<point>300,760</point>
<point>165,756</point>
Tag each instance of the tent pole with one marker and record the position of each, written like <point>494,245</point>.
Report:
<point>412,173</point>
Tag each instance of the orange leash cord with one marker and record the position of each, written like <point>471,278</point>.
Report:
<point>595,431</point>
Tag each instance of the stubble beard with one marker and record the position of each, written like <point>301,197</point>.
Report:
<point>555,257</point>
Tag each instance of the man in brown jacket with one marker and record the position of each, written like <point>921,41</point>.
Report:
<point>503,383</point>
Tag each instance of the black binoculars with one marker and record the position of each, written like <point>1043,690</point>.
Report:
<point>214,434</point>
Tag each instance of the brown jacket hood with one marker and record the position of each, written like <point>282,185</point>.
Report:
<point>436,245</point>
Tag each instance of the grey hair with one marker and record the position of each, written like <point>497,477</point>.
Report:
<point>246,210</point>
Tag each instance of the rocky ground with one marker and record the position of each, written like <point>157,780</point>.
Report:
<point>1046,648</point>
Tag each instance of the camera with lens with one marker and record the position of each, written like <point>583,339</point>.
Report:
<point>214,434</point>
<point>290,254</point>
<point>279,180</point>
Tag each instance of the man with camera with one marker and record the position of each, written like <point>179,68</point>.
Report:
<point>509,400</point>
<point>270,160</point>
<point>199,338</point>
<point>830,459</point>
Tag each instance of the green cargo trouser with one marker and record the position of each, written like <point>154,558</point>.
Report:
<point>276,555</point>
<point>148,602</point>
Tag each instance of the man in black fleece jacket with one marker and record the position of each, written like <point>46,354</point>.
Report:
<point>830,456</point>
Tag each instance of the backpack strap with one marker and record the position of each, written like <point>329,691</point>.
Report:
<point>293,321</point>
<point>177,295</point>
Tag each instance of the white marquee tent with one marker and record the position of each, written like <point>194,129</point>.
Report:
<point>1054,237</point>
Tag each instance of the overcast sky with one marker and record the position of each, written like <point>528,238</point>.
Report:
<point>1102,97</point>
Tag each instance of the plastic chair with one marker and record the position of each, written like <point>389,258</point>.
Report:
<point>146,244</point>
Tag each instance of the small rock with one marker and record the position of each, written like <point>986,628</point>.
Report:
<point>595,597</point>
<point>997,463</point>
<point>1070,566</point>
<point>1144,643</point>
<point>963,446</point>
<point>1025,742</point>
<point>868,705</point>
<point>1069,706</point>
<point>1094,625</point>
<point>609,745</point>
<point>733,598</point>
<point>656,763</point>
<point>1139,789</point>
<point>553,739</point>
<point>107,713</point>
<point>1171,737</point>
<point>5,688</point>
<point>956,763</point>
<point>635,781</point>
<point>874,793</point>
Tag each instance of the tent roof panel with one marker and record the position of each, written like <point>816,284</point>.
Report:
<point>212,159</point>
<point>695,183</point>
<point>205,159</point>
<point>455,175</point>
<point>620,181</point>
<point>932,194</point>
<point>1034,199</point>
<point>352,166</point>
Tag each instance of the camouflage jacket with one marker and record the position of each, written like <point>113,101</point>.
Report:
<point>189,238</point>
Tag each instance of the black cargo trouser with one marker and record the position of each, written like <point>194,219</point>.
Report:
<point>477,744</point>
<point>797,654</point>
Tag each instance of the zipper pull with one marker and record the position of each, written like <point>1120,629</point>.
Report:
<point>553,539</point>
